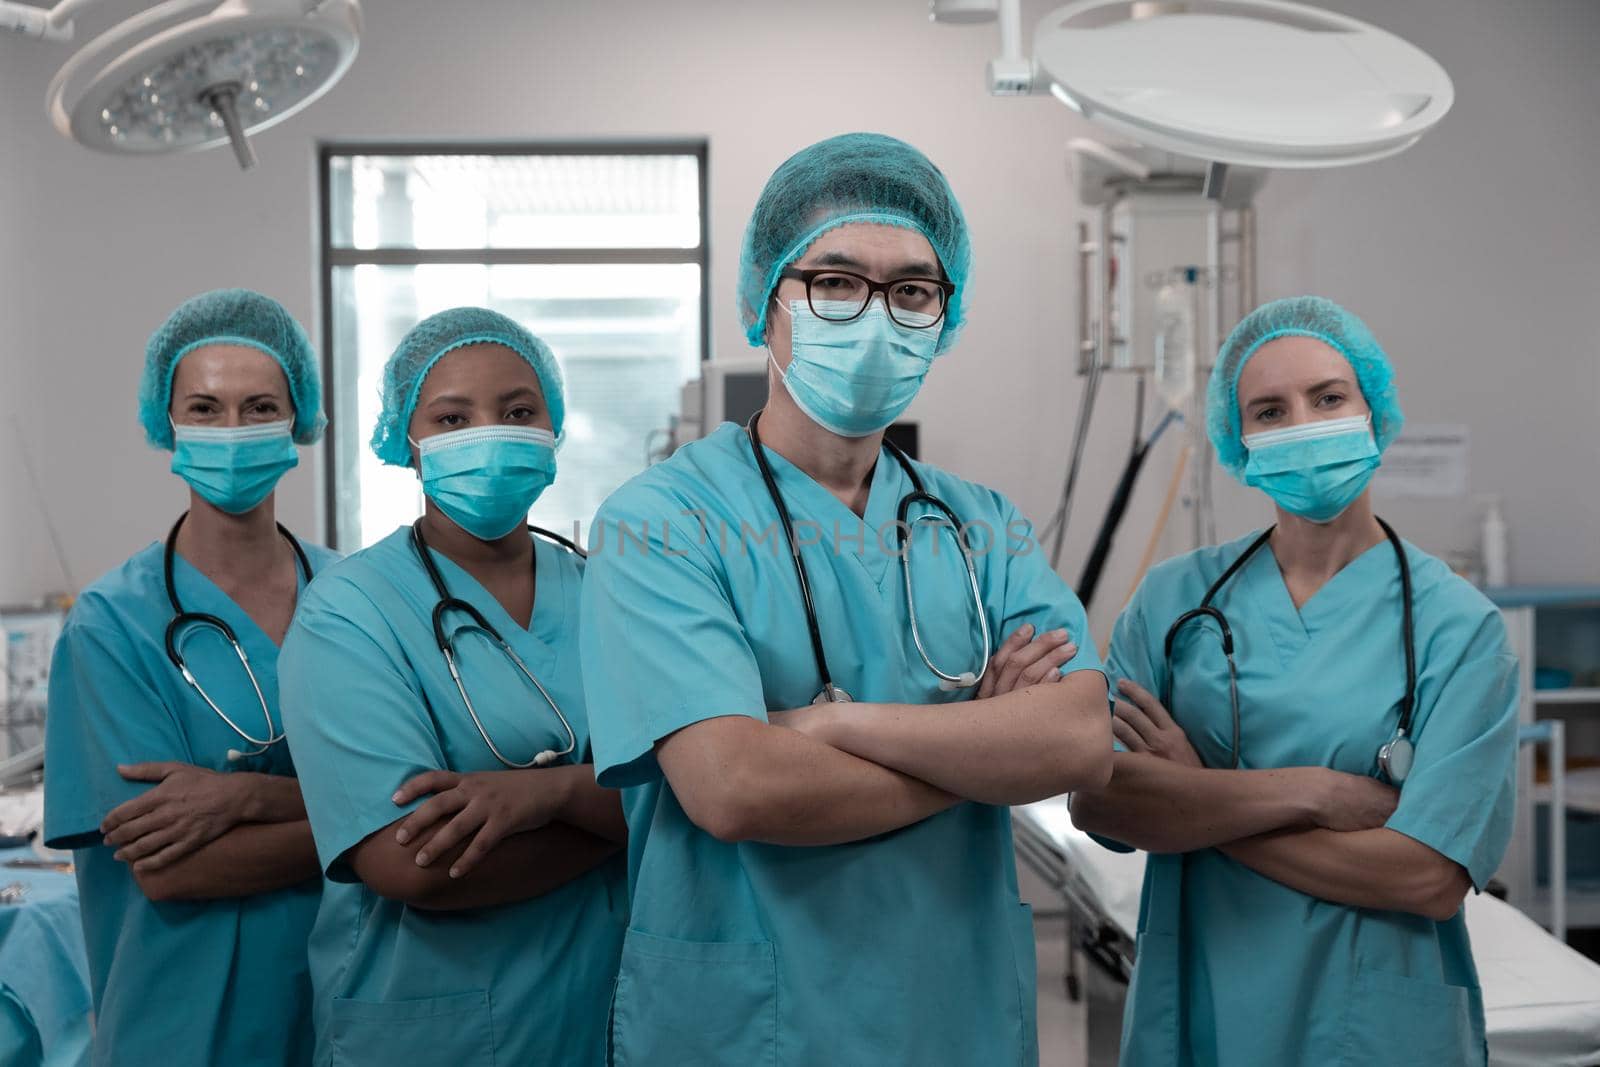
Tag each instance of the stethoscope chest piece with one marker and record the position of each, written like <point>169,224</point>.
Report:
<point>1395,759</point>
<point>832,694</point>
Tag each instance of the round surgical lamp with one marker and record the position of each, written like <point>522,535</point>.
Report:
<point>1259,83</point>
<point>192,74</point>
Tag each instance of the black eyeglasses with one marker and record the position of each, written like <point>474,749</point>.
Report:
<point>842,295</point>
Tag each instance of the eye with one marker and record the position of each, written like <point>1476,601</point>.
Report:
<point>451,419</point>
<point>1330,400</point>
<point>520,413</point>
<point>200,408</point>
<point>266,407</point>
<point>1269,414</point>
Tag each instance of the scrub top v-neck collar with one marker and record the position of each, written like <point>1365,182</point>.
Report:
<point>1292,628</point>
<point>809,501</point>
<point>224,606</point>
<point>544,624</point>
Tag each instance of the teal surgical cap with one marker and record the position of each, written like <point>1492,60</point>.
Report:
<point>856,177</point>
<point>428,342</point>
<point>1298,316</point>
<point>230,317</point>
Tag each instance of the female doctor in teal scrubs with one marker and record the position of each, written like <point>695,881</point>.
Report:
<point>476,899</point>
<point>172,784</point>
<point>1310,841</point>
<point>831,883</point>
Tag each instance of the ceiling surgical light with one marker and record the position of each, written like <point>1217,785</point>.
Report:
<point>1257,83</point>
<point>186,75</point>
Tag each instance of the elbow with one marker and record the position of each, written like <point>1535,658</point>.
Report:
<point>1091,772</point>
<point>1085,811</point>
<point>1082,758</point>
<point>392,873</point>
<point>1442,894</point>
<point>722,808</point>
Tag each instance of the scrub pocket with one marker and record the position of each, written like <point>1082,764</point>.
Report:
<point>1395,1019</point>
<point>1023,949</point>
<point>689,1002</point>
<point>453,1031</point>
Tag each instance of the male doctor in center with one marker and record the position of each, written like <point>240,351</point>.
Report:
<point>817,742</point>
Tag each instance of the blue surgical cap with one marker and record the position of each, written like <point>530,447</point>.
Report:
<point>1298,316</point>
<point>855,177</point>
<point>427,343</point>
<point>230,317</point>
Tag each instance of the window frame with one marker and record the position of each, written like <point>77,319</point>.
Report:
<point>331,257</point>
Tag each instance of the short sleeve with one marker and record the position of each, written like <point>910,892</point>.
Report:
<point>660,645</point>
<point>1130,657</point>
<point>1458,798</point>
<point>1036,594</point>
<point>102,712</point>
<point>356,725</point>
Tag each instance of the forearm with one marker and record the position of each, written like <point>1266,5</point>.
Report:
<point>589,807</point>
<point>250,859</point>
<point>1381,869</point>
<point>778,786</point>
<point>522,867</point>
<point>1161,806</point>
<point>272,798</point>
<point>1017,748</point>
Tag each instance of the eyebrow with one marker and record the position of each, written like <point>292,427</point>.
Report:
<point>917,268</point>
<point>506,397</point>
<point>1317,388</point>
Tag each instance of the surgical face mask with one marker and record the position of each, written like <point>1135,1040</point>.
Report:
<point>485,479</point>
<point>856,377</point>
<point>233,467</point>
<point>1315,470</point>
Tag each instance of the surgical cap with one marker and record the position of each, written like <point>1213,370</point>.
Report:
<point>1299,316</point>
<point>230,317</point>
<point>855,177</point>
<point>428,342</point>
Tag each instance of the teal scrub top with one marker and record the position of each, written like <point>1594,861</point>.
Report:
<point>909,947</point>
<point>368,704</point>
<point>1235,968</point>
<point>213,981</point>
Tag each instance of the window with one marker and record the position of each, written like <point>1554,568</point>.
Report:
<point>598,249</point>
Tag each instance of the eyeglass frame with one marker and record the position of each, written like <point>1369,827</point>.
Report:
<point>806,274</point>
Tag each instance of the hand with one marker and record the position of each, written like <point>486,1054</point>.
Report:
<point>1349,802</point>
<point>190,807</point>
<point>486,807</point>
<point>1143,725</point>
<point>1023,660</point>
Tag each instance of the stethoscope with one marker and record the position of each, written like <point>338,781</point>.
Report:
<point>1395,756</point>
<point>481,625</point>
<point>182,619</point>
<point>903,531</point>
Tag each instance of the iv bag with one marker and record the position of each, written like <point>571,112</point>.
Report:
<point>1174,345</point>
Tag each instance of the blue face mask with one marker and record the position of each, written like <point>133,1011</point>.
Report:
<point>233,467</point>
<point>486,479</point>
<point>856,377</point>
<point>1315,470</point>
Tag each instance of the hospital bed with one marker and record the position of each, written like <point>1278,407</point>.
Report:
<point>1541,998</point>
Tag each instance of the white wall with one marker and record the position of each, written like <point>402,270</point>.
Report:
<point>1475,256</point>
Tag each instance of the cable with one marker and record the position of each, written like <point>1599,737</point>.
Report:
<point>1056,528</point>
